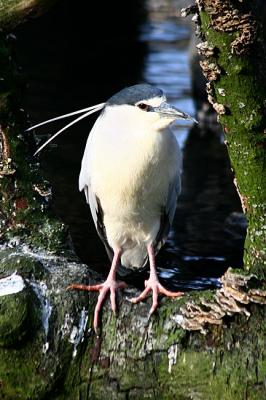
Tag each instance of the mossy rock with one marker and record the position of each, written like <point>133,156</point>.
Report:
<point>18,317</point>
<point>28,267</point>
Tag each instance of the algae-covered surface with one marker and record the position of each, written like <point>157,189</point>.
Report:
<point>237,91</point>
<point>48,349</point>
<point>38,324</point>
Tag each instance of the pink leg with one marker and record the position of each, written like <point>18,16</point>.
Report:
<point>153,284</point>
<point>110,284</point>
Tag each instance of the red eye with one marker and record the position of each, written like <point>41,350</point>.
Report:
<point>143,106</point>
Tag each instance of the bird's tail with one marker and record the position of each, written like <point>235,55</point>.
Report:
<point>132,259</point>
<point>135,257</point>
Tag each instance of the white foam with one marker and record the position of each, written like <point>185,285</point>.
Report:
<point>77,333</point>
<point>40,290</point>
<point>11,284</point>
<point>172,355</point>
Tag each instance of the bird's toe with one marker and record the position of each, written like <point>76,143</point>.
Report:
<point>141,297</point>
<point>168,293</point>
<point>154,286</point>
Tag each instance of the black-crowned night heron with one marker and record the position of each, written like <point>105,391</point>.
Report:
<point>130,174</point>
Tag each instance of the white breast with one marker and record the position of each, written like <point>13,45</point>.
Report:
<point>130,170</point>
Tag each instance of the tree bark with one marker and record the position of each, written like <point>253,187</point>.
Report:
<point>233,47</point>
<point>14,12</point>
<point>207,344</point>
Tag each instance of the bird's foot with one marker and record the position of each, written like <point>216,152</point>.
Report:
<point>153,284</point>
<point>109,285</point>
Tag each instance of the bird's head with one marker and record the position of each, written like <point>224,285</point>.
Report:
<point>144,105</point>
<point>137,107</point>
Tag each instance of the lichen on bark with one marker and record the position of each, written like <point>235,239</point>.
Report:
<point>14,12</point>
<point>24,210</point>
<point>235,31</point>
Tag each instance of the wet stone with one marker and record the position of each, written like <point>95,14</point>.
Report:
<point>18,317</point>
<point>12,260</point>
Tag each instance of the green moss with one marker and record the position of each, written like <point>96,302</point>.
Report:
<point>24,212</point>
<point>14,318</point>
<point>21,340</point>
<point>244,123</point>
<point>131,358</point>
<point>231,372</point>
<point>15,12</point>
<point>21,373</point>
<point>29,369</point>
<point>25,265</point>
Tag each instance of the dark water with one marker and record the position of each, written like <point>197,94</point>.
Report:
<point>72,60</point>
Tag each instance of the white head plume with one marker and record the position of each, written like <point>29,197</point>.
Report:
<point>86,112</point>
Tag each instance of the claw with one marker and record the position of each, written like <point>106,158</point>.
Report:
<point>103,288</point>
<point>153,284</point>
<point>89,288</point>
<point>141,297</point>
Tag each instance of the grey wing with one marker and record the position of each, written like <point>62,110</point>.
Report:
<point>168,212</point>
<point>92,199</point>
<point>97,215</point>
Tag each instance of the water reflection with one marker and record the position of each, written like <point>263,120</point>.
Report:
<point>82,62</point>
<point>167,65</point>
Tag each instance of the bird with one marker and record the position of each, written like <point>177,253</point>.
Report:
<point>131,176</point>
